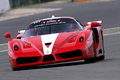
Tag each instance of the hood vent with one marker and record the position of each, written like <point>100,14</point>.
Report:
<point>48,44</point>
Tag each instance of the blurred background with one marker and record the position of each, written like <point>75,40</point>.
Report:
<point>6,5</point>
<point>17,14</point>
<point>17,3</point>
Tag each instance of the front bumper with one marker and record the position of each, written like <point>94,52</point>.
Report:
<point>33,59</point>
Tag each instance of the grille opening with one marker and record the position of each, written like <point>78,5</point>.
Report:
<point>71,54</point>
<point>48,58</point>
<point>27,60</point>
<point>47,43</point>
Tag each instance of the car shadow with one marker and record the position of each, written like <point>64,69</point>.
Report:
<point>53,65</point>
<point>62,64</point>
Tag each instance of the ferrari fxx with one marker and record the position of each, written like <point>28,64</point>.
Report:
<point>56,39</point>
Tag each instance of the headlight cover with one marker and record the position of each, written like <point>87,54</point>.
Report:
<point>16,47</point>
<point>81,39</point>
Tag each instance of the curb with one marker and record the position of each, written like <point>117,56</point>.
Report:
<point>3,46</point>
<point>25,12</point>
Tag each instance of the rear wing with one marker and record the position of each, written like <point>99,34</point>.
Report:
<point>95,21</point>
<point>100,22</point>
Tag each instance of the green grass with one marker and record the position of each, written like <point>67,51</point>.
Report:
<point>40,4</point>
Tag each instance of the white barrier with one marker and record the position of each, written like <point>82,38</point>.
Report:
<point>4,6</point>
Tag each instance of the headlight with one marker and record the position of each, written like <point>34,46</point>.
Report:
<point>16,47</point>
<point>81,39</point>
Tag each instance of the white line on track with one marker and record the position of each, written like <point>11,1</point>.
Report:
<point>3,51</point>
<point>111,31</point>
<point>111,34</point>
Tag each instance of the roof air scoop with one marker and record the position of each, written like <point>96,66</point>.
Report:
<point>53,16</point>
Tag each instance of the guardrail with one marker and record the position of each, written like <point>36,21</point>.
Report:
<point>18,3</point>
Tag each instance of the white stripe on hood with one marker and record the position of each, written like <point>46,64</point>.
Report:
<point>50,38</point>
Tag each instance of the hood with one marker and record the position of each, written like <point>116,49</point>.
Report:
<point>47,44</point>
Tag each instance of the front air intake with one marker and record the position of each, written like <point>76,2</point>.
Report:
<point>27,60</point>
<point>48,58</point>
<point>71,54</point>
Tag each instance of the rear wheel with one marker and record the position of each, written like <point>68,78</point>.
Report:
<point>103,56</point>
<point>90,60</point>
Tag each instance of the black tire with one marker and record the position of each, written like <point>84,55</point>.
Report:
<point>91,60</point>
<point>101,57</point>
<point>15,69</point>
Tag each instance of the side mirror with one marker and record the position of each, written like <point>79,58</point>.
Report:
<point>95,24</point>
<point>8,35</point>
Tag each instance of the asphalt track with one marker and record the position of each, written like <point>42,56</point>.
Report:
<point>108,69</point>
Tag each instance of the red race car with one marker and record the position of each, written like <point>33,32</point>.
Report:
<point>56,39</point>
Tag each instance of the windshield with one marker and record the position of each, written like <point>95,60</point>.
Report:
<point>53,26</point>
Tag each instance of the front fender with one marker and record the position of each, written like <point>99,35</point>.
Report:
<point>11,44</point>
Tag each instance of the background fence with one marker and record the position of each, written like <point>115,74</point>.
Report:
<point>17,3</point>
